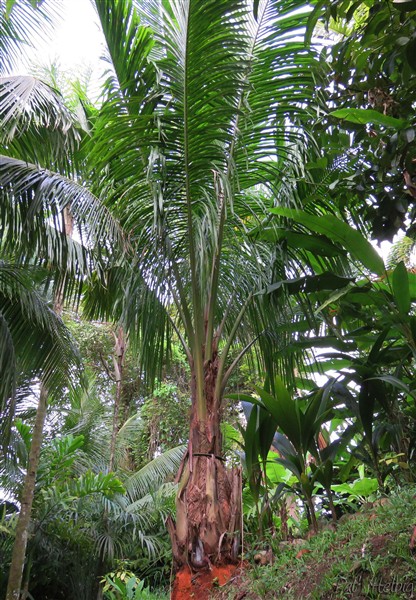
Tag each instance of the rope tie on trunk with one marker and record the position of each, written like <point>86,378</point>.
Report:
<point>209,455</point>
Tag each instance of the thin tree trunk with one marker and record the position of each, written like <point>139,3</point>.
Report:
<point>331,504</point>
<point>208,503</point>
<point>118,360</point>
<point>284,520</point>
<point>23,522</point>
<point>25,591</point>
<point>312,513</point>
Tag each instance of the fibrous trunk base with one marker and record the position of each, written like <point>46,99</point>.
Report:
<point>206,533</point>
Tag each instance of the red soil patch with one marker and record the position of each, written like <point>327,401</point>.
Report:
<point>197,586</point>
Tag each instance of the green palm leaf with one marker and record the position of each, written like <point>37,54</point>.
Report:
<point>32,198</point>
<point>21,24</point>
<point>154,473</point>
<point>33,339</point>
<point>26,101</point>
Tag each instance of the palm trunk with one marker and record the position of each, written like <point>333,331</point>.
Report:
<point>25,591</point>
<point>22,529</point>
<point>284,520</point>
<point>208,503</point>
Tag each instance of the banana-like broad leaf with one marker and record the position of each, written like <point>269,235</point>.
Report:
<point>283,445</point>
<point>397,383</point>
<point>366,404</point>
<point>339,232</point>
<point>401,292</point>
<point>292,463</point>
<point>251,449</point>
<point>311,419</point>
<point>311,283</point>
<point>285,412</point>
<point>267,430</point>
<point>359,488</point>
<point>364,116</point>
<point>313,243</point>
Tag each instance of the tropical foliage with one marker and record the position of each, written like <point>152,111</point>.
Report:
<point>190,285</point>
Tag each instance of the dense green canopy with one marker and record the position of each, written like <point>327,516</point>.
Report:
<point>202,239</point>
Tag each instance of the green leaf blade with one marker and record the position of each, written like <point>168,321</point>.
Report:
<point>401,290</point>
<point>338,231</point>
<point>364,116</point>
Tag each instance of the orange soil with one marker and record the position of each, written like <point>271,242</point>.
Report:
<point>197,586</point>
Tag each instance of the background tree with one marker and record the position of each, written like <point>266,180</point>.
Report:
<point>372,71</point>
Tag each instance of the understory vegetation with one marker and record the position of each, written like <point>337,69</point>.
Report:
<point>207,304</point>
<point>366,556</point>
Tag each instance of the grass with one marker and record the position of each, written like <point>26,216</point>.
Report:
<point>366,557</point>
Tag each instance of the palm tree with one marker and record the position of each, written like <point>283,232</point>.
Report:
<point>193,143</point>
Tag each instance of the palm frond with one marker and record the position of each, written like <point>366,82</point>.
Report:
<point>20,26</point>
<point>31,198</point>
<point>154,473</point>
<point>35,123</point>
<point>126,295</point>
<point>34,340</point>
